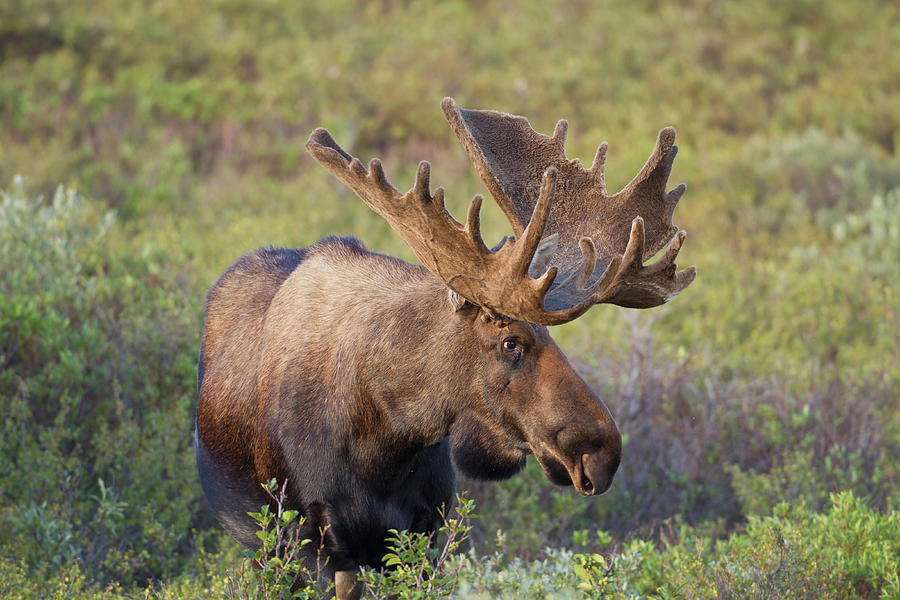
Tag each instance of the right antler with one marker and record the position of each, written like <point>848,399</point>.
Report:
<point>527,182</point>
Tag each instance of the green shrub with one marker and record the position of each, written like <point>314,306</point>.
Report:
<point>97,352</point>
<point>18,583</point>
<point>848,552</point>
<point>279,568</point>
<point>423,566</point>
<point>416,565</point>
<point>815,176</point>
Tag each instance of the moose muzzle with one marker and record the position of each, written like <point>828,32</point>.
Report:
<point>586,458</point>
<point>593,472</point>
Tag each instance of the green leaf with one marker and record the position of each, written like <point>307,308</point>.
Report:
<point>582,573</point>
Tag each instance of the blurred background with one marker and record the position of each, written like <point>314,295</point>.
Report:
<point>146,145</point>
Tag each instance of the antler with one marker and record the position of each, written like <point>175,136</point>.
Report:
<point>603,240</point>
<point>549,201</point>
<point>496,279</point>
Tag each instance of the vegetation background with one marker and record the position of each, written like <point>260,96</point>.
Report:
<point>760,409</point>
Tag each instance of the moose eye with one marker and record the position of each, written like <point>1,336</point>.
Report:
<point>513,347</point>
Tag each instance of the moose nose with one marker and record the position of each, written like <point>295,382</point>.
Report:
<point>597,471</point>
<point>592,455</point>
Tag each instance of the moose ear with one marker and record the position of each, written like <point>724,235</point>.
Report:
<point>457,301</point>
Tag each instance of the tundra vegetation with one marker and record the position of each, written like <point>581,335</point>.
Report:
<point>143,151</point>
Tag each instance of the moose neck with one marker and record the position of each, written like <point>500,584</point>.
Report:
<point>416,373</point>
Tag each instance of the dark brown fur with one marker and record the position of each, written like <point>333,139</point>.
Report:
<point>355,375</point>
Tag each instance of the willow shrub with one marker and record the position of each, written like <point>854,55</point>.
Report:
<point>97,370</point>
<point>847,551</point>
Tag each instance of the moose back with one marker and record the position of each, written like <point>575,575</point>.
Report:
<point>364,380</point>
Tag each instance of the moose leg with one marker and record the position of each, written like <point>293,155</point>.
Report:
<point>347,586</point>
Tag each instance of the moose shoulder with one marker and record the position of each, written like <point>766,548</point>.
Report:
<point>357,376</point>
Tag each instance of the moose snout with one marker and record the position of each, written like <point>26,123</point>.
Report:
<point>591,455</point>
<point>597,470</point>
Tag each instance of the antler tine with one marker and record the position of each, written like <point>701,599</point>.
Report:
<point>543,284</point>
<point>588,260</point>
<point>531,237</point>
<point>579,277</point>
<point>598,167</point>
<point>662,156</point>
<point>559,134</point>
<point>668,259</point>
<point>635,248</point>
<point>327,151</point>
<point>473,222</point>
<point>377,173</point>
<point>674,195</point>
<point>357,168</point>
<point>422,187</point>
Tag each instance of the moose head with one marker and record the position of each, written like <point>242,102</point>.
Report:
<point>357,376</point>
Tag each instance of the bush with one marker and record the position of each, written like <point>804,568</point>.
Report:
<point>849,551</point>
<point>814,175</point>
<point>17,582</point>
<point>416,565</point>
<point>423,566</point>
<point>279,567</point>
<point>97,354</point>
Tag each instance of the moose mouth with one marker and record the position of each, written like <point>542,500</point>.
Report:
<point>590,474</point>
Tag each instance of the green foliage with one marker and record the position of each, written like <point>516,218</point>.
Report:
<point>850,551</point>
<point>17,583</point>
<point>96,365</point>
<point>418,566</point>
<point>815,175</point>
<point>191,120</point>
<point>593,573</point>
<point>280,563</point>
<point>847,552</point>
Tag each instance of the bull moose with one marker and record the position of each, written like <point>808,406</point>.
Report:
<point>364,380</point>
